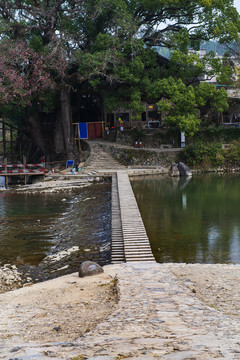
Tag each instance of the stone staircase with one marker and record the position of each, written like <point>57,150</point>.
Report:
<point>100,160</point>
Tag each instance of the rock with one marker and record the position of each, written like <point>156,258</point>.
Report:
<point>184,169</point>
<point>16,348</point>
<point>57,328</point>
<point>174,171</point>
<point>89,268</point>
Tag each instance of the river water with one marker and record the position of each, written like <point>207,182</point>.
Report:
<point>33,226</point>
<point>192,220</point>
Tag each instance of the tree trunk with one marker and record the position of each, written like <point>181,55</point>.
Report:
<point>36,133</point>
<point>66,121</point>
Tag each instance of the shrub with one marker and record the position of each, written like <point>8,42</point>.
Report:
<point>232,153</point>
<point>204,154</point>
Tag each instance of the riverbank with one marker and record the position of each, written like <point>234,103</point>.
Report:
<point>164,311</point>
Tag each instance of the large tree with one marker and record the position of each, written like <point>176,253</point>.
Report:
<point>107,47</point>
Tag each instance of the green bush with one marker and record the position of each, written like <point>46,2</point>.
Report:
<point>217,134</point>
<point>205,155</point>
<point>232,153</point>
<point>138,134</point>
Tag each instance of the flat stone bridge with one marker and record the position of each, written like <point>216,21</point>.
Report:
<point>129,238</point>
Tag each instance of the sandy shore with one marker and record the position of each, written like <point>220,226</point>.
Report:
<point>66,307</point>
<point>216,285</point>
<point>61,309</point>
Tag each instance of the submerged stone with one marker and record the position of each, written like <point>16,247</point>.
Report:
<point>89,268</point>
<point>174,171</point>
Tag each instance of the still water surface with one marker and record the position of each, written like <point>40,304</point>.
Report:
<point>194,220</point>
<point>34,225</point>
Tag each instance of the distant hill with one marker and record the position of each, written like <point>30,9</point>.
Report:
<point>214,46</point>
<point>217,48</point>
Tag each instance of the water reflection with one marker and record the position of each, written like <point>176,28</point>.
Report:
<point>192,219</point>
<point>2,182</point>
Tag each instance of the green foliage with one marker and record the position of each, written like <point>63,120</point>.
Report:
<point>36,43</point>
<point>136,105</point>
<point>138,134</point>
<point>111,101</point>
<point>212,154</point>
<point>207,95</point>
<point>232,153</point>
<point>187,123</point>
<point>48,100</point>
<point>187,66</point>
<point>177,104</point>
<point>200,154</point>
<point>217,134</point>
<point>109,46</point>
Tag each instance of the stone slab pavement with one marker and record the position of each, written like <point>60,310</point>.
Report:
<point>156,318</point>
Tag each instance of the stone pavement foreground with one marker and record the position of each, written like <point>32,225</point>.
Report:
<point>156,318</point>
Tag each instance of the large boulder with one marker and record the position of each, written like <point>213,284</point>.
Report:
<point>184,169</point>
<point>89,268</point>
<point>174,170</point>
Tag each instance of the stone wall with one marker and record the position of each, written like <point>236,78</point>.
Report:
<point>151,138</point>
<point>144,157</point>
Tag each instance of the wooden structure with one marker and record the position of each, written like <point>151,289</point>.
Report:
<point>24,169</point>
<point>8,138</point>
<point>88,130</point>
<point>125,117</point>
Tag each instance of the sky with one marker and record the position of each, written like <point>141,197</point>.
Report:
<point>237,5</point>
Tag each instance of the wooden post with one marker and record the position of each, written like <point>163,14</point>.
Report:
<point>11,143</point>
<point>103,128</point>
<point>6,178</point>
<point>78,137</point>
<point>4,138</point>
<point>25,163</point>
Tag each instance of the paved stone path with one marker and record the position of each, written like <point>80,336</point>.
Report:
<point>102,163</point>
<point>156,318</point>
<point>100,160</point>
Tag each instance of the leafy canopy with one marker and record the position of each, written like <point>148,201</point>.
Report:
<point>107,46</point>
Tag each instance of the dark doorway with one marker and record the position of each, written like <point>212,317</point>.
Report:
<point>86,108</point>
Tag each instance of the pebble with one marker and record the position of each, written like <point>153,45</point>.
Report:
<point>10,277</point>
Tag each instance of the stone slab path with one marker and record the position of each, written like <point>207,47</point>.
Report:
<point>135,239</point>
<point>99,160</point>
<point>156,318</point>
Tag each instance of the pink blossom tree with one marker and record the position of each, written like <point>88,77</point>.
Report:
<point>23,73</point>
